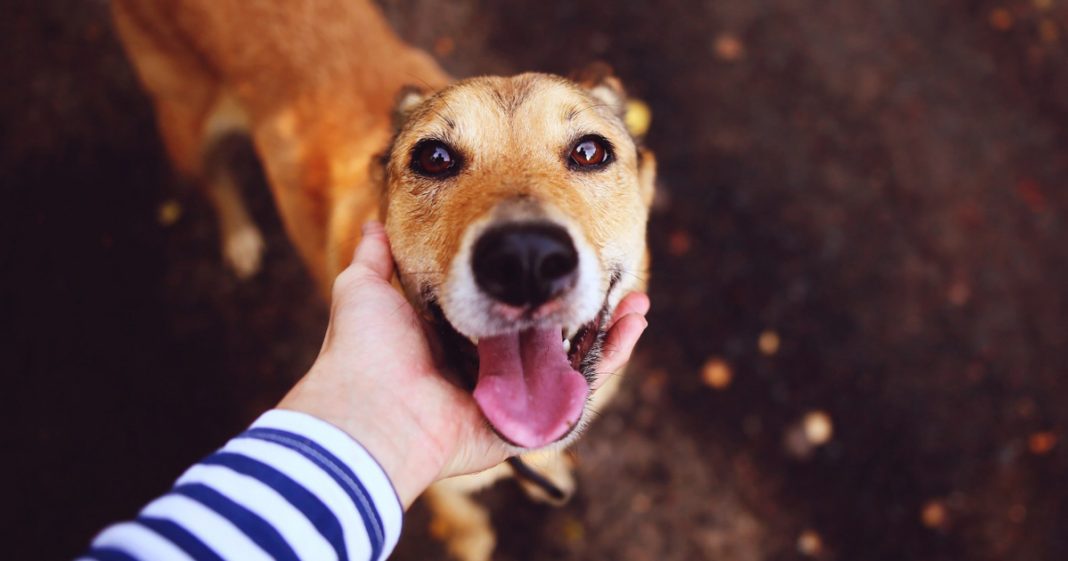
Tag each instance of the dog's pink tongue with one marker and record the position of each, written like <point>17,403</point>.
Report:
<point>527,388</point>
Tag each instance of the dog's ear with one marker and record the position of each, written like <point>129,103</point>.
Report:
<point>598,79</point>
<point>601,82</point>
<point>408,99</point>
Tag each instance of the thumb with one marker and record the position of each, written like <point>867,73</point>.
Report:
<point>373,254</point>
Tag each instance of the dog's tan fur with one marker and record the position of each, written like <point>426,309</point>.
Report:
<point>517,132</point>
<point>316,85</point>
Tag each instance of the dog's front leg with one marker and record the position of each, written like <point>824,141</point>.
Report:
<point>458,520</point>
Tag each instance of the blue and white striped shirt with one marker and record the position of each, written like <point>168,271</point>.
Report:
<point>291,487</point>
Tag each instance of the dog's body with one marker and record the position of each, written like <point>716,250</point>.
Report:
<point>516,207</point>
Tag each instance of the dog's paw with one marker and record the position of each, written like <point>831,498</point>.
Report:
<point>243,251</point>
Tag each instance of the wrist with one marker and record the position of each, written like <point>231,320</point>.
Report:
<point>391,434</point>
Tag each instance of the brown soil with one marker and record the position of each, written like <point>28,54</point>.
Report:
<point>862,214</point>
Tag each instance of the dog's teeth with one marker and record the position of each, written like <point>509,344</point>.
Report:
<point>567,346</point>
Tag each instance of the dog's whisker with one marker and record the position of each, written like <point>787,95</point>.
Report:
<point>640,275</point>
<point>595,414</point>
<point>605,376</point>
<point>430,91</point>
<point>420,79</point>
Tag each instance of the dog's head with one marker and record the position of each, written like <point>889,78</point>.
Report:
<point>516,208</point>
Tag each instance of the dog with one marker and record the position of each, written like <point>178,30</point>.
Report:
<point>516,206</point>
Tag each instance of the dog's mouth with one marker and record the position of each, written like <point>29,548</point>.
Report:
<point>532,385</point>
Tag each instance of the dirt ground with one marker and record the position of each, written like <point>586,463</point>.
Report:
<point>861,229</point>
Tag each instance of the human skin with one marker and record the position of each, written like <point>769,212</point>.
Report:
<point>376,378</point>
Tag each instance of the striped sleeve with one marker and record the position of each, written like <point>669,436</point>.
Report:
<point>292,488</point>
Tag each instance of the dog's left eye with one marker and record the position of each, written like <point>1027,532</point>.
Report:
<point>434,158</point>
<point>590,152</point>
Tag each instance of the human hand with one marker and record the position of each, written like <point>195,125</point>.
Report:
<point>376,378</point>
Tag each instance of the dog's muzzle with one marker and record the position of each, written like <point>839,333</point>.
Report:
<point>527,387</point>
<point>528,293</point>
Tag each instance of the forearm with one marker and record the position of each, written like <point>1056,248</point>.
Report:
<point>291,487</point>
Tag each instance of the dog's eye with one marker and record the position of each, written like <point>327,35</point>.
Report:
<point>434,159</point>
<point>590,152</point>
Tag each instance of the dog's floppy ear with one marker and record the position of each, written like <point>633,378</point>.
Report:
<point>598,79</point>
<point>407,100</point>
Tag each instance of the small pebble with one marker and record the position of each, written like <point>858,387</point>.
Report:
<point>641,503</point>
<point>809,543</point>
<point>934,514</point>
<point>574,531</point>
<point>1048,31</point>
<point>769,342</point>
<point>716,373</point>
<point>679,243</point>
<point>728,47</point>
<point>637,117</point>
<point>959,293</point>
<point>1000,19</point>
<point>1041,443</point>
<point>169,212</point>
<point>818,427</point>
<point>444,46</point>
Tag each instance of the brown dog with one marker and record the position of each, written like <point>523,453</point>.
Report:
<point>516,207</point>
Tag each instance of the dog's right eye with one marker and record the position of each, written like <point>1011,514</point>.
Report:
<point>590,152</point>
<point>433,158</point>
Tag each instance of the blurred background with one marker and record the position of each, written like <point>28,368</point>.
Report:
<point>857,349</point>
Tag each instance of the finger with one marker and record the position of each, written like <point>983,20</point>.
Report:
<point>632,303</point>
<point>478,447</point>
<point>372,254</point>
<point>619,344</point>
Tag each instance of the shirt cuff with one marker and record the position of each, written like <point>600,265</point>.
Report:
<point>323,440</point>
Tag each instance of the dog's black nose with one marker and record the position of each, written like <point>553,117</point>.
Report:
<point>525,264</point>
